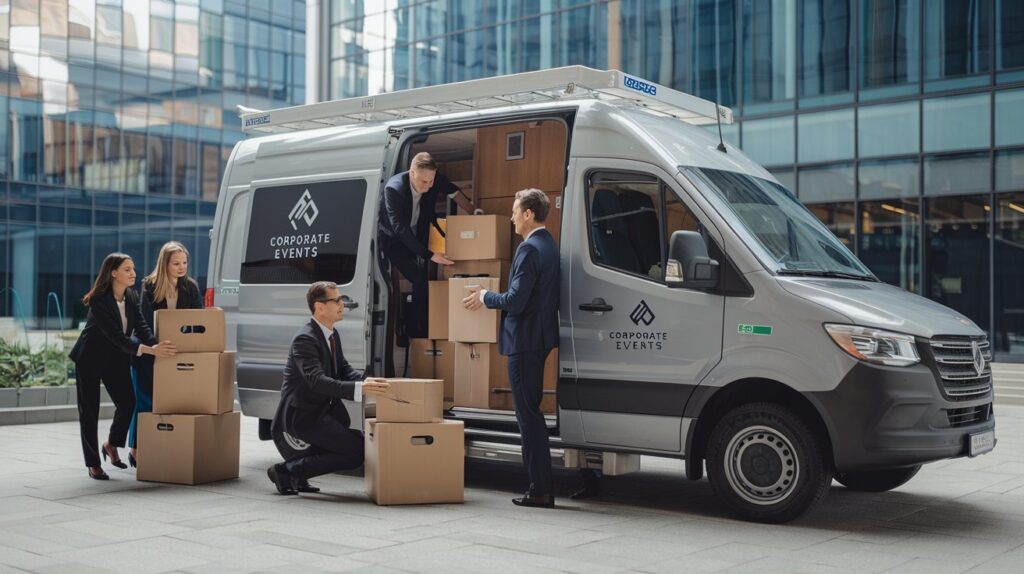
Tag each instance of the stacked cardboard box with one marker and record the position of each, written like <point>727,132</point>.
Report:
<point>413,456</point>
<point>192,435</point>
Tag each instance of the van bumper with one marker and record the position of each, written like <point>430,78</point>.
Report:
<point>888,417</point>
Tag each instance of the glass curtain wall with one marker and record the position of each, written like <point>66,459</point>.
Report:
<point>120,117</point>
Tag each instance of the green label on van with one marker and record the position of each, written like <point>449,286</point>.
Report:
<point>754,329</point>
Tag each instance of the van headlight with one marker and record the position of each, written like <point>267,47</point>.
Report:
<point>874,345</point>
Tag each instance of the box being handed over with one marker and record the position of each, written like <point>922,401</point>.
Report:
<point>465,326</point>
<point>471,237</point>
<point>411,401</point>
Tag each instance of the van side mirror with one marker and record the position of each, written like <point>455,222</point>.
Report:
<point>688,263</point>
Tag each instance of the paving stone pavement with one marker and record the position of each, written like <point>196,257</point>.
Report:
<point>955,516</point>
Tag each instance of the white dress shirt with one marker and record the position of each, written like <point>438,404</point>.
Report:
<point>482,291</point>
<point>357,394</point>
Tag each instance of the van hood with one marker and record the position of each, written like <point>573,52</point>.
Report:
<point>882,306</point>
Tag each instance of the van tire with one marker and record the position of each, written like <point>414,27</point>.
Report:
<point>767,463</point>
<point>264,429</point>
<point>877,480</point>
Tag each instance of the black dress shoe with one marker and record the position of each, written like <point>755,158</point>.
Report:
<point>545,501</point>
<point>281,478</point>
<point>588,491</point>
<point>303,485</point>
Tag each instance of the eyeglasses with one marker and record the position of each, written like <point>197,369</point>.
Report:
<point>337,299</point>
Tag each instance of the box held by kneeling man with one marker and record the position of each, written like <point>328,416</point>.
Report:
<point>194,383</point>
<point>188,449</point>
<point>192,330</point>
<point>411,401</point>
<point>414,463</point>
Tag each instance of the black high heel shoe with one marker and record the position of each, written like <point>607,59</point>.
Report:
<point>114,461</point>
<point>131,460</point>
<point>100,475</point>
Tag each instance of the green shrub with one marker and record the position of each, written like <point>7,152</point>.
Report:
<point>44,368</point>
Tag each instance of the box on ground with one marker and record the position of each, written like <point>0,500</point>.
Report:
<point>481,377</point>
<point>486,268</point>
<point>434,360</point>
<point>188,449</point>
<point>192,330</point>
<point>478,237</point>
<point>465,326</point>
<point>411,401</point>
<point>414,463</point>
<point>194,383</point>
<point>437,313</point>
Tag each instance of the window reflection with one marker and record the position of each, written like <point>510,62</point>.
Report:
<point>826,46</point>
<point>889,242</point>
<point>1009,34</point>
<point>1009,287</point>
<point>839,218</point>
<point>956,38</point>
<point>769,55</point>
<point>889,42</point>
<point>957,254</point>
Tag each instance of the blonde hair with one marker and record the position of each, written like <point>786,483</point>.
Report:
<point>162,286</point>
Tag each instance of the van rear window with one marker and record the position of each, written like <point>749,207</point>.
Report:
<point>304,233</point>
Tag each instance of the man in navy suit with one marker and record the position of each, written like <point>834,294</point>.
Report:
<point>529,330</point>
<point>316,378</point>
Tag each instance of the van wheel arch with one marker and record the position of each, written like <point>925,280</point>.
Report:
<point>709,409</point>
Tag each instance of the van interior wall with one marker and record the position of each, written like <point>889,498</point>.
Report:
<point>490,164</point>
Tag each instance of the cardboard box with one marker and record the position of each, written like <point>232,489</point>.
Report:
<point>465,326</point>
<point>411,401</point>
<point>436,241</point>
<point>444,369</point>
<point>481,377</point>
<point>414,463</point>
<point>194,383</point>
<point>192,330</point>
<point>553,223</point>
<point>437,310</point>
<point>188,449</point>
<point>486,268</point>
<point>478,237</point>
<point>434,360</point>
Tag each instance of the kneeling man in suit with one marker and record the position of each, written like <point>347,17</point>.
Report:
<point>529,330</point>
<point>316,378</point>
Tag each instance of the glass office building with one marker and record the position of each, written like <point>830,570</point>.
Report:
<point>120,116</point>
<point>900,123</point>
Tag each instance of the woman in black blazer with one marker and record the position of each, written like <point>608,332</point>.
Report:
<point>167,287</point>
<point>114,333</point>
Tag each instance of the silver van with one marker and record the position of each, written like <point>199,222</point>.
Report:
<point>705,313</point>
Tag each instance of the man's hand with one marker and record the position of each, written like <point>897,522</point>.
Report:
<point>375,386</point>
<point>472,301</point>
<point>164,349</point>
<point>441,259</point>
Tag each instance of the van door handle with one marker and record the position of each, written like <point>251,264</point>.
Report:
<point>348,303</point>
<point>596,306</point>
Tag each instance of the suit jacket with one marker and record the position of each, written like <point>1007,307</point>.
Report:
<point>529,309</point>
<point>393,227</point>
<point>102,339</point>
<point>314,382</point>
<point>188,298</point>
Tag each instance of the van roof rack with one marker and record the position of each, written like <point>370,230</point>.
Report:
<point>570,82</point>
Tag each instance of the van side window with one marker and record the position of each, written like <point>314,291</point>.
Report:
<point>231,252</point>
<point>304,233</point>
<point>625,222</point>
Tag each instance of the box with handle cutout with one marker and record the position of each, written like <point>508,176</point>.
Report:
<point>192,330</point>
<point>194,383</point>
<point>414,463</point>
<point>188,449</point>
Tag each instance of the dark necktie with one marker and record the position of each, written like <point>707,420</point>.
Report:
<point>334,346</point>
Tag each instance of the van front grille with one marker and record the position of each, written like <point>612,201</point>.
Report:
<point>955,361</point>
<point>968,415</point>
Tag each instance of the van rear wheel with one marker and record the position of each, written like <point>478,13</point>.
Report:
<point>767,463</point>
<point>877,480</point>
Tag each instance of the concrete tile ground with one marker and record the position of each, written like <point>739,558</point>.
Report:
<point>955,516</point>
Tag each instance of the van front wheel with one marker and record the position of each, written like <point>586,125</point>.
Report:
<point>877,480</point>
<point>767,463</point>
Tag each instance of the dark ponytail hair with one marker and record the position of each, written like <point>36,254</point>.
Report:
<point>102,284</point>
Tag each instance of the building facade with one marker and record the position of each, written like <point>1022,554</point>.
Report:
<point>120,116</point>
<point>900,123</point>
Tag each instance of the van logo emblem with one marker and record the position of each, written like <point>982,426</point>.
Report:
<point>304,210</point>
<point>642,314</point>
<point>979,359</point>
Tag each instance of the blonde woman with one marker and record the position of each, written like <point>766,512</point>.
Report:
<point>167,287</point>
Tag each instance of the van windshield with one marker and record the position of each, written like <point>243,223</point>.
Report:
<point>786,236</point>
